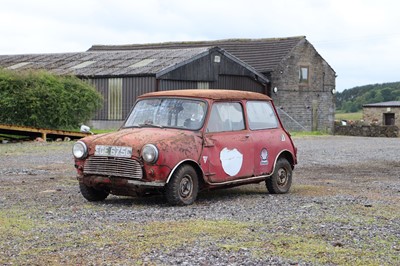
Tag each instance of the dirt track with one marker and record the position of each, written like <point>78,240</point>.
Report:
<point>343,209</point>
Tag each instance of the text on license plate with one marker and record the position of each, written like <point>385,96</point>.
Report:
<point>114,151</point>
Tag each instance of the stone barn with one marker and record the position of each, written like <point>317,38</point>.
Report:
<point>301,82</point>
<point>385,113</point>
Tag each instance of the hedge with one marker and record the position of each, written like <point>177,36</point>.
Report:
<point>41,99</point>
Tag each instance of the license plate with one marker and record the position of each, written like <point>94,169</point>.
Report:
<point>113,151</point>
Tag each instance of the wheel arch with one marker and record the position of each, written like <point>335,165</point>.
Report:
<point>288,156</point>
<point>196,167</point>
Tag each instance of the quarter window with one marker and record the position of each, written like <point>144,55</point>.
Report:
<point>226,117</point>
<point>261,115</point>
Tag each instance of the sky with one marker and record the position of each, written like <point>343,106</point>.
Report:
<point>360,39</point>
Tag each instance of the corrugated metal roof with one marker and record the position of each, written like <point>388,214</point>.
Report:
<point>262,54</point>
<point>110,63</point>
<point>383,104</point>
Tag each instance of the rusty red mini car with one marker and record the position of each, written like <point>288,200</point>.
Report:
<point>184,141</point>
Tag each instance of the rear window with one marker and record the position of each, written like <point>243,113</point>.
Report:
<point>261,115</point>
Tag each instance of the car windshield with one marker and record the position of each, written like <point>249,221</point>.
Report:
<point>168,112</point>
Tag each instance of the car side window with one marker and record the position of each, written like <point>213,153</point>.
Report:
<point>261,115</point>
<point>226,117</point>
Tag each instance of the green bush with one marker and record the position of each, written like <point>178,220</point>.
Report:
<point>42,99</point>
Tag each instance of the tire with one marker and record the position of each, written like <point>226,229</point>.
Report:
<point>92,194</point>
<point>183,187</point>
<point>281,179</point>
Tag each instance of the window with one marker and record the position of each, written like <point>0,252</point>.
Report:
<point>226,117</point>
<point>261,115</point>
<point>114,100</point>
<point>303,74</point>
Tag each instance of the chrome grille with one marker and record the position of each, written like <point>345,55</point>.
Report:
<point>113,166</point>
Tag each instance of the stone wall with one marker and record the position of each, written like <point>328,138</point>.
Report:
<point>305,107</point>
<point>367,131</point>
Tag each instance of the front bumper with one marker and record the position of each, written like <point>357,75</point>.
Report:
<point>117,182</point>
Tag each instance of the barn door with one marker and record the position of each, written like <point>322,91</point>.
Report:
<point>388,119</point>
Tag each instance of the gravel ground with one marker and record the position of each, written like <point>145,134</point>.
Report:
<point>343,209</point>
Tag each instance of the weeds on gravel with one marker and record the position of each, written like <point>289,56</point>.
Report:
<point>318,251</point>
<point>128,242</point>
<point>313,190</point>
<point>167,236</point>
<point>125,243</point>
<point>14,227</point>
<point>14,223</point>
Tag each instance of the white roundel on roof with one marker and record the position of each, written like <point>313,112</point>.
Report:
<point>231,160</point>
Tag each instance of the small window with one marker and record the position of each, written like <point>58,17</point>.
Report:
<point>261,115</point>
<point>226,117</point>
<point>303,74</point>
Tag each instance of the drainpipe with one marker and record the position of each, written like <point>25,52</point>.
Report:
<point>157,84</point>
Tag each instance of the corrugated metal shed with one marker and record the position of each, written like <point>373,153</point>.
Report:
<point>262,54</point>
<point>121,76</point>
<point>383,104</point>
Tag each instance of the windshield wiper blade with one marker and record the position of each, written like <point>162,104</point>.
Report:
<point>149,125</point>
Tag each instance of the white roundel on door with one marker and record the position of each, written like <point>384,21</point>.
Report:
<point>231,160</point>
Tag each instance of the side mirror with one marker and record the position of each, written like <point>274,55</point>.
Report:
<point>86,129</point>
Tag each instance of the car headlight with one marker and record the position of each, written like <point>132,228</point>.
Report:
<point>79,150</point>
<point>150,153</point>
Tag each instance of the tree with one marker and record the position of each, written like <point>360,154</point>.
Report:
<point>352,100</point>
<point>42,99</point>
<point>386,94</point>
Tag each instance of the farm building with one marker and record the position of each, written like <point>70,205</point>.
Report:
<point>385,113</point>
<point>121,76</point>
<point>289,70</point>
<point>301,82</point>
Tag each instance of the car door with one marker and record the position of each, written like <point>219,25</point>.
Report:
<point>227,153</point>
<point>268,137</point>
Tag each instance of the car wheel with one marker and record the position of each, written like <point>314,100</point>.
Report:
<point>183,187</point>
<point>281,180</point>
<point>92,194</point>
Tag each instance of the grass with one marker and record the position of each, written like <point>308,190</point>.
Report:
<point>101,131</point>
<point>32,148</point>
<point>348,116</point>
<point>307,133</point>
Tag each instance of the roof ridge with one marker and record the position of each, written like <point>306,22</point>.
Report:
<point>200,42</point>
<point>383,104</point>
